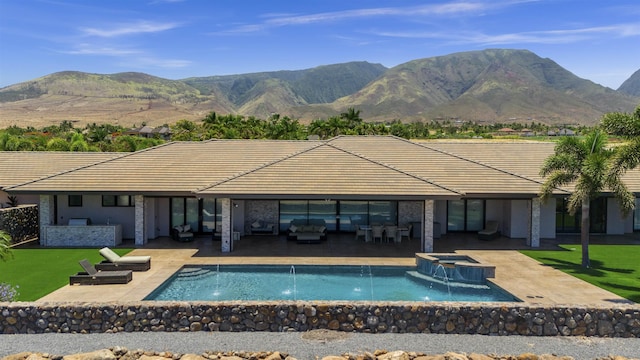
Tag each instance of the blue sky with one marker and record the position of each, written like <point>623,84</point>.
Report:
<point>175,39</point>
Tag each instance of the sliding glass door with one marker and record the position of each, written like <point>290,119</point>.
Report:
<point>465,215</point>
<point>203,215</point>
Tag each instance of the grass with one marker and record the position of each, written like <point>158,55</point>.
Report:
<point>38,272</point>
<point>615,268</point>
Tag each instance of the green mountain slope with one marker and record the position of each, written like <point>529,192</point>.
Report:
<point>631,86</point>
<point>496,85</point>
<point>490,85</point>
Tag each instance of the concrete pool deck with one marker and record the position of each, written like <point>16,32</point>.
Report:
<point>525,278</point>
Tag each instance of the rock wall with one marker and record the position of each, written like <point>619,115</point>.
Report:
<point>21,222</point>
<point>487,319</point>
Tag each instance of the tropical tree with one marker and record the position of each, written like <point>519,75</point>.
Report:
<point>626,126</point>
<point>585,164</point>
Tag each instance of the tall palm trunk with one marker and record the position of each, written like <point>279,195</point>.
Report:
<point>584,233</point>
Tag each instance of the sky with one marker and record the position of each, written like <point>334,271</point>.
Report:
<point>596,40</point>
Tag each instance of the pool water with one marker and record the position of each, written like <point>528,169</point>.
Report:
<point>309,282</point>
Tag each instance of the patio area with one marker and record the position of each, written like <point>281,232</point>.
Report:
<point>530,281</point>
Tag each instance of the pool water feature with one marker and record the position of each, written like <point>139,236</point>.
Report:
<point>311,282</point>
<point>456,267</point>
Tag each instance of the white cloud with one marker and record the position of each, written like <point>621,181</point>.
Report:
<point>139,27</point>
<point>455,8</point>
<point>89,49</point>
<point>532,37</point>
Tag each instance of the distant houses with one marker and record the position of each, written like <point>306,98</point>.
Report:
<point>529,133</point>
<point>162,132</point>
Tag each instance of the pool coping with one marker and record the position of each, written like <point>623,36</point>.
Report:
<point>523,277</point>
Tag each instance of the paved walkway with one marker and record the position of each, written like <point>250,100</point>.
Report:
<point>518,274</point>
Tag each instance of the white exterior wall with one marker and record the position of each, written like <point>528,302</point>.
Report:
<point>616,224</point>
<point>519,219</point>
<point>548,219</point>
<point>494,211</point>
<point>92,208</point>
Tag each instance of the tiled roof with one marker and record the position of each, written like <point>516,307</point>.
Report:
<point>17,167</point>
<point>343,167</point>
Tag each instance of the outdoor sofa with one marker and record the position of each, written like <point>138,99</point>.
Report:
<point>307,232</point>
<point>91,276</point>
<point>262,227</point>
<point>114,261</point>
<point>182,233</point>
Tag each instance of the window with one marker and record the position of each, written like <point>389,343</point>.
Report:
<point>116,200</point>
<point>75,200</point>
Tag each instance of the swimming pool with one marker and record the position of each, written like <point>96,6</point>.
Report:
<point>312,282</point>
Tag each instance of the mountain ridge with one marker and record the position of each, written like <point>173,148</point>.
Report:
<point>494,85</point>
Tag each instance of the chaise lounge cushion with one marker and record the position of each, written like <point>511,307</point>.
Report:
<point>114,261</point>
<point>91,276</point>
<point>490,231</point>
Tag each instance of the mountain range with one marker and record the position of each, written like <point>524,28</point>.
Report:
<point>488,86</point>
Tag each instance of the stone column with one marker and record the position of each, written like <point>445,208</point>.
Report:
<point>46,213</point>
<point>533,238</point>
<point>226,242</point>
<point>140,221</point>
<point>427,236</point>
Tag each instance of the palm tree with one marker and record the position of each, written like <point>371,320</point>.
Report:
<point>5,246</point>
<point>628,127</point>
<point>584,163</point>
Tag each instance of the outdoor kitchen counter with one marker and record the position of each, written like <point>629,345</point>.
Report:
<point>82,235</point>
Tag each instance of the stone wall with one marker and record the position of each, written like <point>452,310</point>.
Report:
<point>261,210</point>
<point>21,222</point>
<point>460,318</point>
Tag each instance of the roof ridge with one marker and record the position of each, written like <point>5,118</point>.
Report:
<point>115,157</point>
<point>262,166</point>
<point>337,147</point>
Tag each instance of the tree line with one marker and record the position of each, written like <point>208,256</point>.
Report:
<point>113,138</point>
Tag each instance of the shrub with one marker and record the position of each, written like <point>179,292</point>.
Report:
<point>8,292</point>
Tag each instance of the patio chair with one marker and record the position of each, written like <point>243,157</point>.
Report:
<point>490,231</point>
<point>391,233</point>
<point>91,276</point>
<point>376,232</point>
<point>405,231</point>
<point>116,262</point>
<point>360,232</point>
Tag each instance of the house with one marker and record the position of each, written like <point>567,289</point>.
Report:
<point>223,186</point>
<point>145,131</point>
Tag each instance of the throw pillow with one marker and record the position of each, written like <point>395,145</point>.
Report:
<point>256,224</point>
<point>293,228</point>
<point>186,228</point>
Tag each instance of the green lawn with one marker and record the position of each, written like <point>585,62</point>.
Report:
<point>38,272</point>
<point>615,268</point>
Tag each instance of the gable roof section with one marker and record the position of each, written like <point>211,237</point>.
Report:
<point>172,168</point>
<point>23,166</point>
<point>469,176</point>
<point>327,171</point>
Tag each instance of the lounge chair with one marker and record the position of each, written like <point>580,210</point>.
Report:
<point>490,231</point>
<point>116,262</point>
<point>91,276</point>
